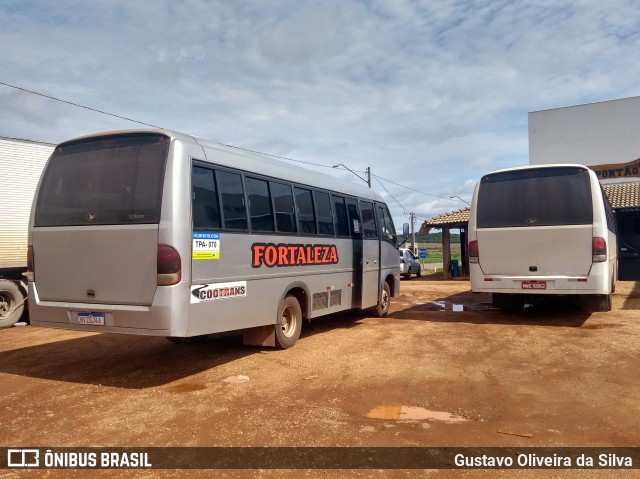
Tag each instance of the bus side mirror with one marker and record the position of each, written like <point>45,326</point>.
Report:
<point>405,230</point>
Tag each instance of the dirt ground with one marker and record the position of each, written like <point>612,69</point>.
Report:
<point>444,369</point>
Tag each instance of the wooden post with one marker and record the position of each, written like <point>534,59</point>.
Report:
<point>446,253</point>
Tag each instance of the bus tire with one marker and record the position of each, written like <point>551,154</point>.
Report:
<point>11,303</point>
<point>597,303</point>
<point>508,302</point>
<point>384,304</point>
<point>288,323</point>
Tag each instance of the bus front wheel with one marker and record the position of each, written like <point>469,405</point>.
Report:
<point>289,322</point>
<point>384,304</point>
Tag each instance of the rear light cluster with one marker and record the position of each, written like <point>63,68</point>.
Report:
<point>169,266</point>
<point>473,252</point>
<point>599,250</point>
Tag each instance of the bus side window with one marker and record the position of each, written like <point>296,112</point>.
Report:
<point>284,208</point>
<point>354,218</point>
<point>368,220</point>
<point>342,220</point>
<point>306,215</point>
<point>234,210</point>
<point>259,205</point>
<point>205,209</point>
<point>323,213</point>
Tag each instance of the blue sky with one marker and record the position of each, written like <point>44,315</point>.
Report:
<point>429,94</point>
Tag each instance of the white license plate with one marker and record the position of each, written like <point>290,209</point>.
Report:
<point>93,319</point>
<point>534,285</point>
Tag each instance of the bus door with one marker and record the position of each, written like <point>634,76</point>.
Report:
<point>370,256</point>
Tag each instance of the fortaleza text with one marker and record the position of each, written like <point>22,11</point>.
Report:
<point>539,461</point>
<point>270,254</point>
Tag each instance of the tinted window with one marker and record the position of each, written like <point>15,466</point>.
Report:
<point>354,218</point>
<point>233,207</point>
<point>536,197</point>
<point>342,219</point>
<point>386,223</point>
<point>306,216</point>
<point>368,220</point>
<point>206,213</point>
<point>259,205</point>
<point>101,181</point>
<point>323,212</point>
<point>283,203</point>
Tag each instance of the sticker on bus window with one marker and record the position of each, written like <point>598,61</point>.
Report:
<point>218,291</point>
<point>206,245</point>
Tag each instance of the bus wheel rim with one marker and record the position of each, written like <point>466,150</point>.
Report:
<point>288,321</point>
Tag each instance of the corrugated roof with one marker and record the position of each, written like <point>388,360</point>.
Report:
<point>621,196</point>
<point>457,217</point>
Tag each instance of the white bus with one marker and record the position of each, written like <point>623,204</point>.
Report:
<point>154,232</point>
<point>542,230</point>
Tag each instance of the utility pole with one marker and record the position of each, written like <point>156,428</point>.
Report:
<point>369,176</point>
<point>413,234</point>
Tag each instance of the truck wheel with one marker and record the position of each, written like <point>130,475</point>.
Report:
<point>11,303</point>
<point>385,302</point>
<point>288,322</point>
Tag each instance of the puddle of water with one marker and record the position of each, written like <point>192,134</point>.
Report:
<point>406,413</point>
<point>186,388</point>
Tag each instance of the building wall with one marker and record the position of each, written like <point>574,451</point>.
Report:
<point>592,134</point>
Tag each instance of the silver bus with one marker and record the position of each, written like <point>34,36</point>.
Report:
<point>159,233</point>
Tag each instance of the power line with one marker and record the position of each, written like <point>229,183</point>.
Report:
<point>76,104</point>
<point>404,211</point>
<point>413,189</point>
<point>230,146</point>
<point>276,156</point>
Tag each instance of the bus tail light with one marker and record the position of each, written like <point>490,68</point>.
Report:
<point>169,266</point>
<point>599,250</point>
<point>473,252</point>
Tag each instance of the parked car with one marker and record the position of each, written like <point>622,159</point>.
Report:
<point>409,263</point>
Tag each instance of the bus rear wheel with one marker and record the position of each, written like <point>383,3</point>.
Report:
<point>288,323</point>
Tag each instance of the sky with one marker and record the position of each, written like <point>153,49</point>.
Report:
<point>429,94</point>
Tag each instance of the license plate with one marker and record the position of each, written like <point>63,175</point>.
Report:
<point>93,319</point>
<point>534,285</point>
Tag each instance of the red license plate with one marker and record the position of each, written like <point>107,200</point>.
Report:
<point>534,285</point>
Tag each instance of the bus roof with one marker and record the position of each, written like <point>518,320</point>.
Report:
<point>259,163</point>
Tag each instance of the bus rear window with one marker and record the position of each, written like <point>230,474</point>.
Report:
<point>535,197</point>
<point>104,181</point>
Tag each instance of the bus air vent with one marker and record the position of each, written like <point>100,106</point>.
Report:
<point>320,301</point>
<point>335,297</point>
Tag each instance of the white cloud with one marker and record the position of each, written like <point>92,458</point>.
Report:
<point>429,94</point>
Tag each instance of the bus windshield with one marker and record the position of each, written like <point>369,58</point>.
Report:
<point>104,181</point>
